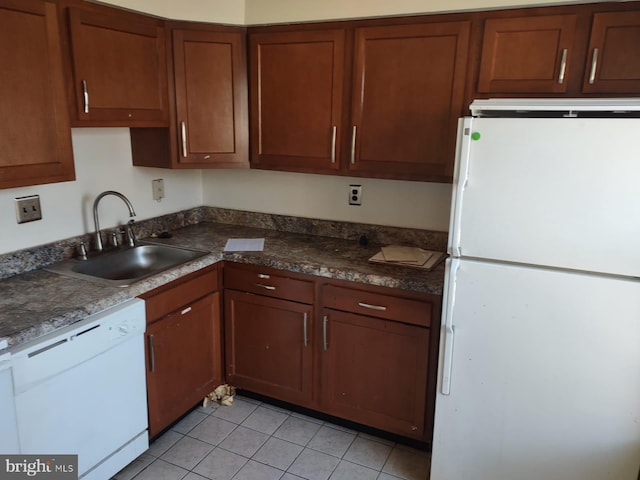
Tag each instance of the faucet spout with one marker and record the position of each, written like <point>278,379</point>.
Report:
<point>96,222</point>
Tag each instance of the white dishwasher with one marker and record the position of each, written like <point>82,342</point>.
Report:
<point>82,390</point>
<point>8,428</point>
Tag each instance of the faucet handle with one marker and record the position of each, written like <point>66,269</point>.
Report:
<point>131,235</point>
<point>82,251</point>
<point>113,239</point>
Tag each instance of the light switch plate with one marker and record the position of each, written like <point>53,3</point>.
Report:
<point>28,208</point>
<point>158,189</point>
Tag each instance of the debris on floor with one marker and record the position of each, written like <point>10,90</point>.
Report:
<point>223,394</point>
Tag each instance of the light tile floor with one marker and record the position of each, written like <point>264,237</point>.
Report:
<point>252,440</point>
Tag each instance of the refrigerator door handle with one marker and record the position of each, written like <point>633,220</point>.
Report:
<point>453,264</point>
<point>460,179</point>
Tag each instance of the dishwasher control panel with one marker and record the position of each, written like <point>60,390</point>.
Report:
<point>69,346</point>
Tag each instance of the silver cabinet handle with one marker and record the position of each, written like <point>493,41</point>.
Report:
<point>594,66</point>
<point>334,132</point>
<point>183,136</point>
<point>372,307</point>
<point>353,144</point>
<point>563,66</point>
<point>152,354</point>
<point>304,327</point>
<point>185,311</point>
<point>268,287</point>
<point>85,96</point>
<point>264,276</point>
<point>325,345</point>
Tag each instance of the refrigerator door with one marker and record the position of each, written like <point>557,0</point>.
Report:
<point>544,377</point>
<point>561,192</point>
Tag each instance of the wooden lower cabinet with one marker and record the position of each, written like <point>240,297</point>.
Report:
<point>368,355</point>
<point>183,349</point>
<point>379,356</point>
<point>268,346</point>
<point>375,372</point>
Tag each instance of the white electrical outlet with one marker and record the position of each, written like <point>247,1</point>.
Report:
<point>158,189</point>
<point>28,209</point>
<point>355,194</point>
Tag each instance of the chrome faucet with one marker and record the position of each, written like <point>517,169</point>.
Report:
<point>98,234</point>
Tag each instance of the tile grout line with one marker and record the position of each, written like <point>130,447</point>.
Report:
<point>287,415</point>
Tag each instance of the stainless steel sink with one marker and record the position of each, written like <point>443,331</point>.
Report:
<point>124,266</point>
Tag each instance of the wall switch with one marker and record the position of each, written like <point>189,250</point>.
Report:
<point>158,189</point>
<point>28,209</point>
<point>355,194</point>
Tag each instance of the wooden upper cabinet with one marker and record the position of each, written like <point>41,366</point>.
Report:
<point>526,54</point>
<point>35,138</point>
<point>614,54</point>
<point>211,98</point>
<point>408,92</point>
<point>119,68</point>
<point>296,99</point>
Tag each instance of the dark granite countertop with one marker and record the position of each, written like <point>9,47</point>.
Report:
<point>37,302</point>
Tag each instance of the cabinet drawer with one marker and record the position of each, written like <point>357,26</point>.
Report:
<point>180,295</point>
<point>377,305</point>
<point>265,282</point>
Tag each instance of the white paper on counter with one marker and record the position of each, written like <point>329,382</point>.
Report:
<point>244,245</point>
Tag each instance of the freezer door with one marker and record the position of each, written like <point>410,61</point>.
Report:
<point>562,192</point>
<point>544,377</point>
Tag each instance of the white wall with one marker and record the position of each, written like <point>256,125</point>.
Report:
<point>251,12</point>
<point>279,11</point>
<point>384,202</point>
<point>215,11</point>
<point>103,162</point>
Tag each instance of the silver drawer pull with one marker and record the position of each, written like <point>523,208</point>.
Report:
<point>325,344</point>
<point>563,66</point>
<point>334,131</point>
<point>372,307</point>
<point>304,327</point>
<point>353,144</point>
<point>186,310</point>
<point>264,276</point>
<point>85,96</point>
<point>183,138</point>
<point>268,287</point>
<point>594,67</point>
<point>152,354</point>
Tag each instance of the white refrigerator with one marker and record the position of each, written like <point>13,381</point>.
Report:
<point>539,366</point>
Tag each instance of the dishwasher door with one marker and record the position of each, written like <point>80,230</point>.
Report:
<point>82,391</point>
<point>8,427</point>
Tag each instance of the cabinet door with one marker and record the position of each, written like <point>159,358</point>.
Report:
<point>268,346</point>
<point>374,372</point>
<point>211,98</point>
<point>184,360</point>
<point>296,99</point>
<point>35,138</point>
<point>614,64</point>
<point>407,96</point>
<point>526,55</point>
<point>119,69</point>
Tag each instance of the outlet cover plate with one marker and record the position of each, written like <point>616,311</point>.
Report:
<point>355,194</point>
<point>28,209</point>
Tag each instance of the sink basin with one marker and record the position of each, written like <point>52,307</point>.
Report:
<point>124,266</point>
